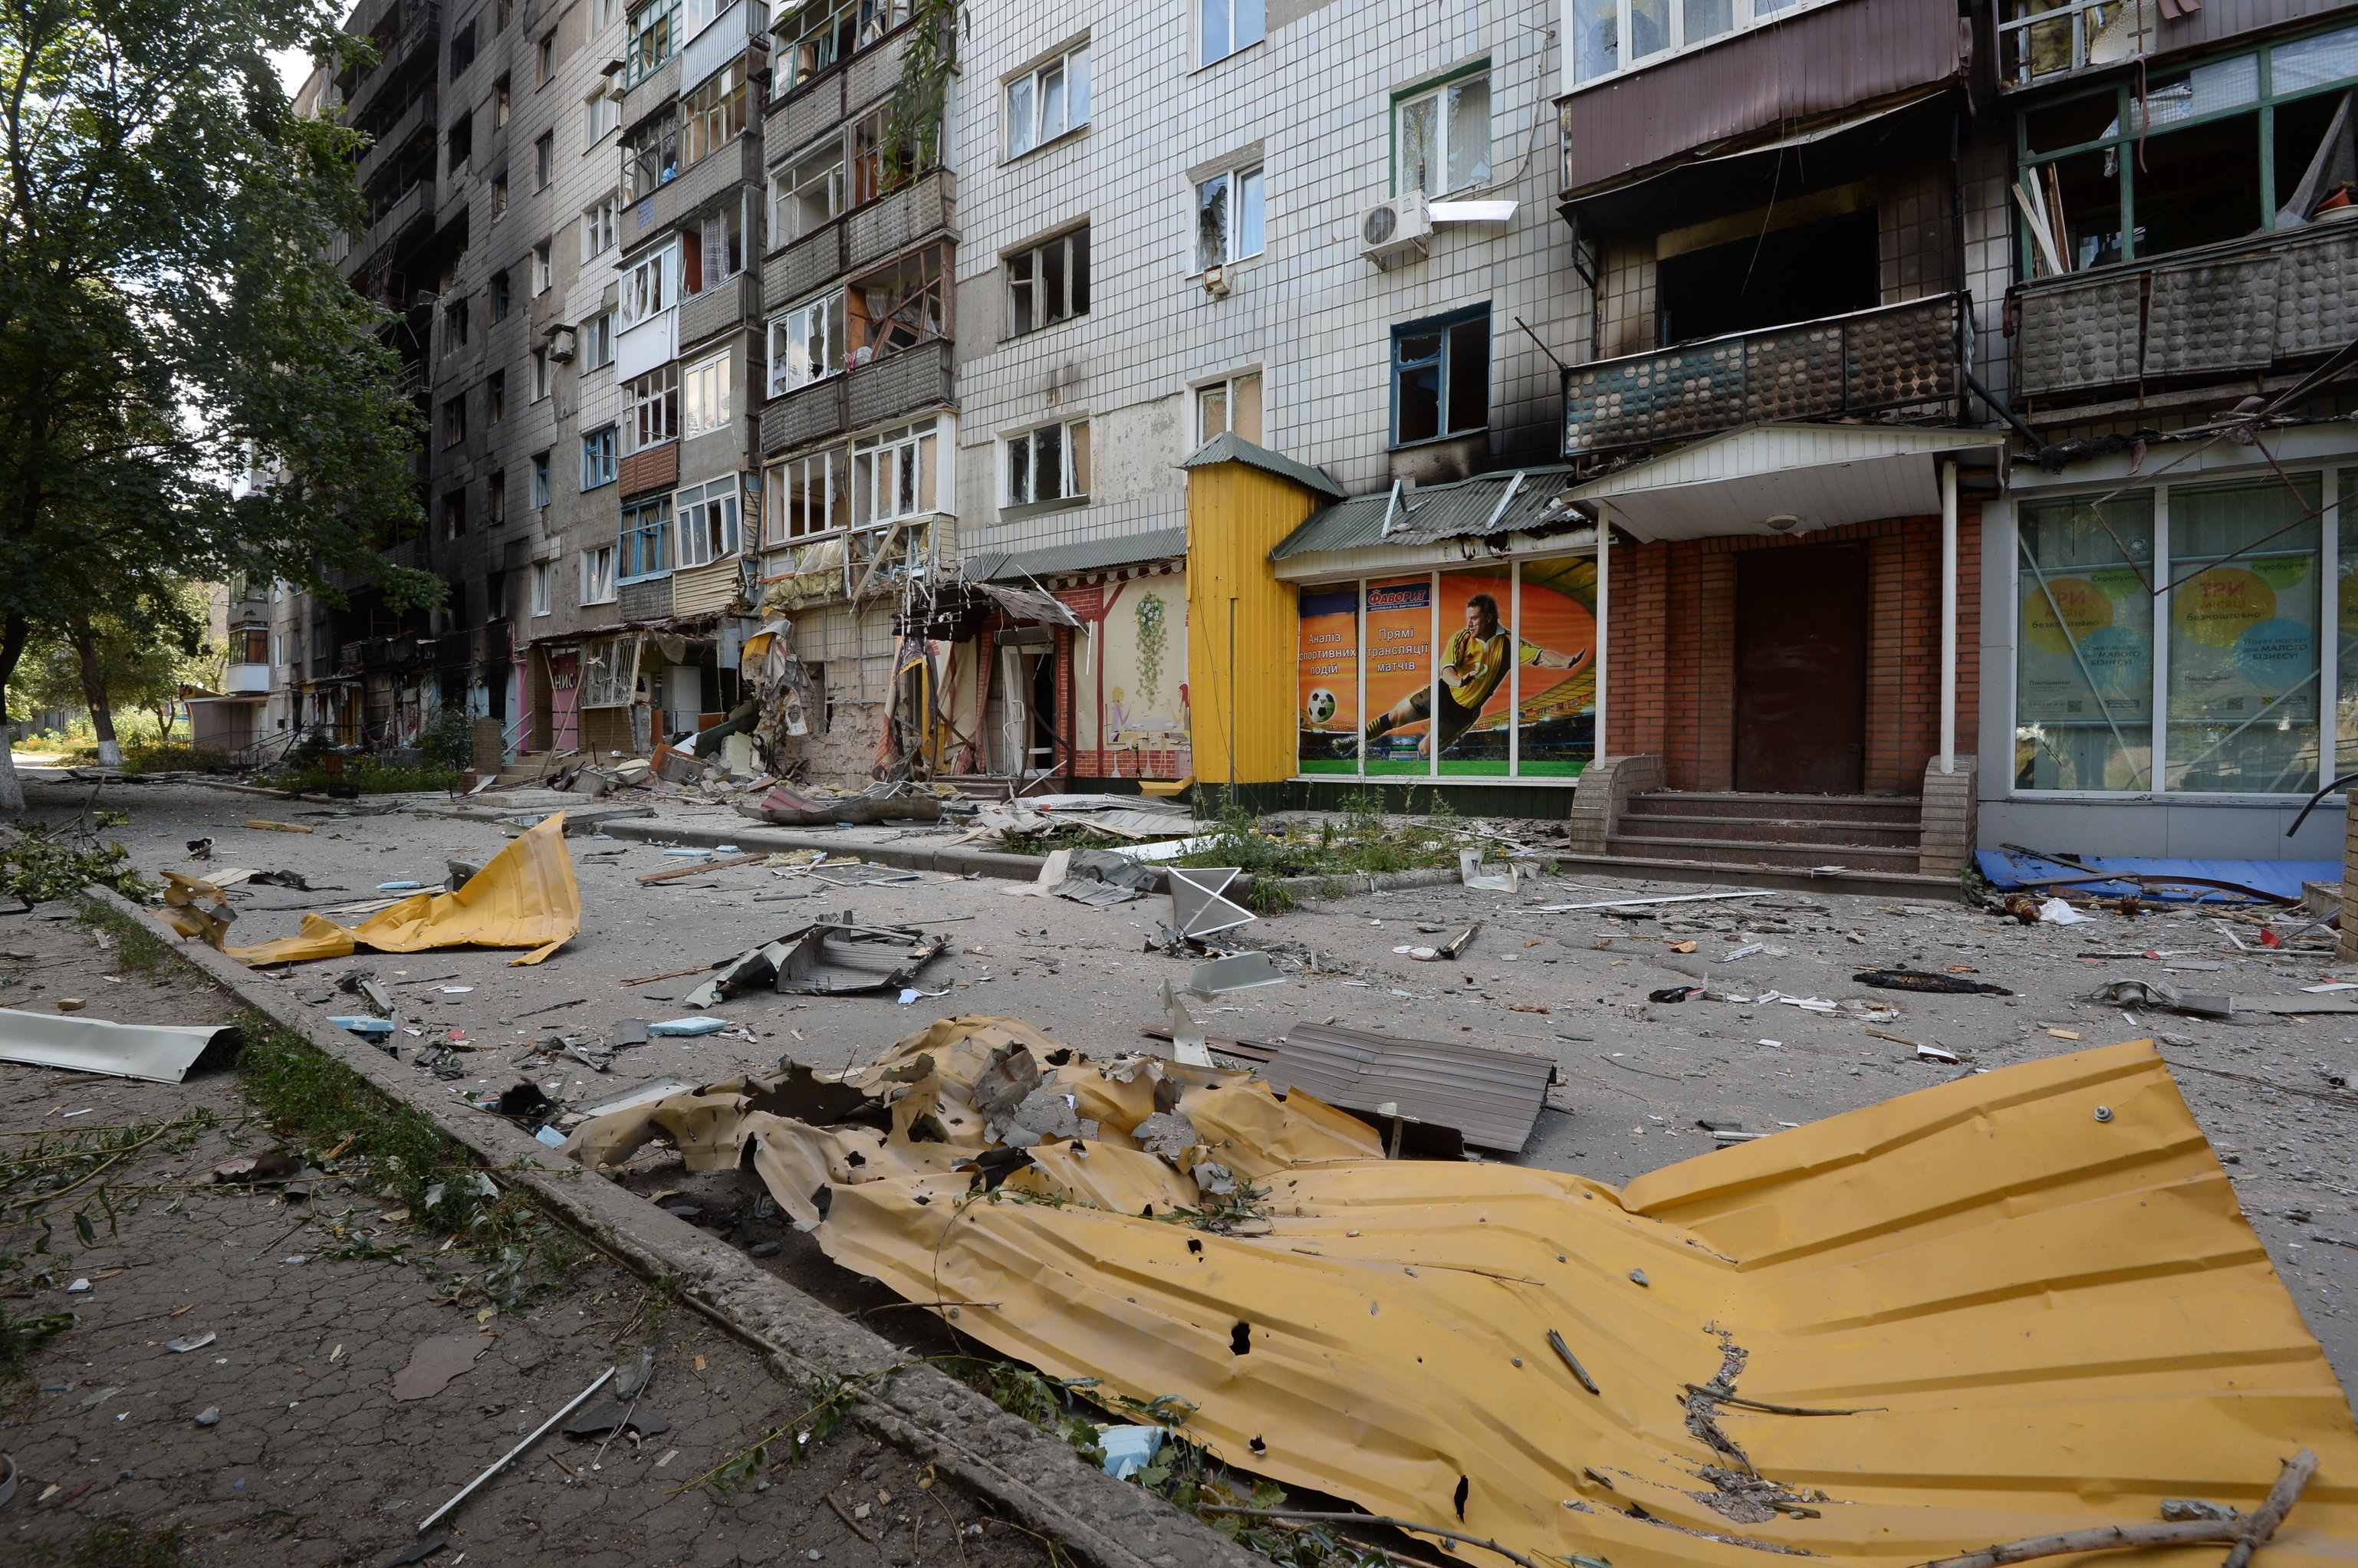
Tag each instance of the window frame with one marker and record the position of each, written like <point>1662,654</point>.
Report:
<point>780,505</point>
<point>650,152</point>
<point>1073,467</point>
<point>541,488</point>
<point>651,410</point>
<point>597,344</point>
<point>715,113</point>
<point>652,41</point>
<point>600,581</point>
<point>1227,386</point>
<point>602,114</point>
<point>827,309</point>
<point>1074,246</point>
<point>1231,44</point>
<point>1233,179</point>
<point>916,448</point>
<point>544,160</point>
<point>837,177</point>
<point>717,520</point>
<point>1744,17</point>
<point>1445,326</point>
<point>650,285</point>
<point>541,590</point>
<point>544,266</point>
<point>829,35</point>
<point>1438,91</point>
<point>645,536</point>
<point>542,377</point>
<point>601,456</point>
<point>1028,86</point>
<point>2127,129</point>
<point>702,385</point>
<point>602,226</point>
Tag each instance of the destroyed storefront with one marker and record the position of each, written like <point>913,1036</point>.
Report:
<point>629,690</point>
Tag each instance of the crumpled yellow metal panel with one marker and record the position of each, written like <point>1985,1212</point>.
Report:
<point>2038,1321</point>
<point>525,897</point>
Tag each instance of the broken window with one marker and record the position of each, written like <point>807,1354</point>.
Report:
<point>2200,155</point>
<point>2244,607</point>
<point>721,252</point>
<point>1050,463</point>
<point>501,104</point>
<point>714,114</point>
<point>873,172</point>
<point>1608,36</point>
<point>1799,274</point>
<point>543,588</point>
<point>600,111</point>
<point>1046,103</point>
<point>454,524</point>
<point>818,36</point>
<point>651,286</point>
<point>900,306</point>
<point>653,39</point>
<point>610,670</point>
<point>502,296</point>
<point>806,496</point>
<point>807,193</point>
<point>650,155</point>
<point>462,50</point>
<point>599,340</point>
<point>653,414</point>
<point>807,343</point>
<point>598,226</point>
<point>1441,376</point>
<point>495,397</point>
<point>598,575</point>
<point>707,515</point>
<point>540,479</point>
<point>1441,137</point>
<point>462,142</point>
<point>1227,218</point>
<point>645,545</point>
<point>1047,283</point>
<point>454,420</point>
<point>1232,403</point>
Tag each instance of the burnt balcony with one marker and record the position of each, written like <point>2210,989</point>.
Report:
<point>910,382</point>
<point>1894,356</point>
<point>2269,303</point>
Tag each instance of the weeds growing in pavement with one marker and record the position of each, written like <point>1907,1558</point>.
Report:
<point>107,1543</point>
<point>1362,840</point>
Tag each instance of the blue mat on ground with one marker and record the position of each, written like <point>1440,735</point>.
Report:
<point>2007,871</point>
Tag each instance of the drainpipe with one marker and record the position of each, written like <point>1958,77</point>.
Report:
<point>1948,617</point>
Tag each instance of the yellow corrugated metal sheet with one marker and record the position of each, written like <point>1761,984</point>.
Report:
<point>525,897</point>
<point>2018,1316</point>
<point>706,589</point>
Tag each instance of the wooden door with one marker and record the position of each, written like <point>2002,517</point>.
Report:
<point>1800,670</point>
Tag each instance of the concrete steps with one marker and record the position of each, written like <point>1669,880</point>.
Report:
<point>1867,833</point>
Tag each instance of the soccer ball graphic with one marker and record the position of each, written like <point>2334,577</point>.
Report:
<point>1321,706</point>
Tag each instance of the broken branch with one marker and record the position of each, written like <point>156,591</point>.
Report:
<point>2245,1534</point>
<point>654,877</point>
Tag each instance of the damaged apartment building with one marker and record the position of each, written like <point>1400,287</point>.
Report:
<point>1786,433</point>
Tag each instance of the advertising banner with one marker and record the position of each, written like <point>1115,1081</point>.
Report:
<point>1329,682</point>
<point>1400,673</point>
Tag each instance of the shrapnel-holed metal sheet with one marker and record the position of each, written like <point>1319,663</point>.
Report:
<point>2040,1321</point>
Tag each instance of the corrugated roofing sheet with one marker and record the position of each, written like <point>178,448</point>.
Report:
<point>1230,448</point>
<point>1491,1097</point>
<point>1466,509</point>
<point>1081,556</point>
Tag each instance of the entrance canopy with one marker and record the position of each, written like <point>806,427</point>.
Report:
<point>1787,480</point>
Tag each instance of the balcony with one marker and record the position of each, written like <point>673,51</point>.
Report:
<point>724,307</point>
<point>418,28</point>
<point>2248,307</point>
<point>1895,356</point>
<point>242,679</point>
<point>657,468</point>
<point>862,237</point>
<point>420,116</point>
<point>412,206</point>
<point>910,382</point>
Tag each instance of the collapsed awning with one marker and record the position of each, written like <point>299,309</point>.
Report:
<point>1785,480</point>
<point>956,610</point>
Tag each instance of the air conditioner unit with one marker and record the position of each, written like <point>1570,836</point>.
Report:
<point>1216,282</point>
<point>561,345</point>
<point>1397,230</point>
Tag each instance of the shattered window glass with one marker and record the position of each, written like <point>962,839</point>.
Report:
<point>2083,665</point>
<point>2243,636</point>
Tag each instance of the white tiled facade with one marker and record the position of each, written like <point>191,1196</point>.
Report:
<point>1314,99</point>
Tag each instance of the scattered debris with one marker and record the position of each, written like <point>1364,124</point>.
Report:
<point>1919,980</point>
<point>434,1362</point>
<point>1199,904</point>
<point>612,1416</point>
<point>501,1462</point>
<point>1237,971</point>
<point>1489,1097</point>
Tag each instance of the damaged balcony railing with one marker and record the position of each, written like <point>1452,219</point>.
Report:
<point>1895,356</point>
<point>2230,310</point>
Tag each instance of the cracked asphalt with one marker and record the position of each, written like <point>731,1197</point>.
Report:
<point>312,1460</point>
<point>1636,1075</point>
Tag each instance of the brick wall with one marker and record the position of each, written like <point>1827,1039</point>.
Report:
<point>1671,675</point>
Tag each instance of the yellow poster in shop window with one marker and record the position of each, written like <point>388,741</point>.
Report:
<point>2244,643</point>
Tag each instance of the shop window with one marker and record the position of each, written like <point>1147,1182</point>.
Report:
<point>2243,620</point>
<point>707,515</point>
<point>2083,664</point>
<point>1801,274</point>
<point>1441,376</point>
<point>1048,283</point>
<point>807,496</point>
<point>645,546</point>
<point>1230,403</point>
<point>1441,137</point>
<point>1327,680</point>
<point>1048,101</point>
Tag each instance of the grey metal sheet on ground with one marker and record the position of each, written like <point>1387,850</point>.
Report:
<point>1197,904</point>
<point>159,1054</point>
<point>1491,1097</point>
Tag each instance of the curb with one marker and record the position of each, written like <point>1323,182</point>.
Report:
<point>1032,1478</point>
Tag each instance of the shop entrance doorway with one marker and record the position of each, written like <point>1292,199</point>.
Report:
<point>1800,670</point>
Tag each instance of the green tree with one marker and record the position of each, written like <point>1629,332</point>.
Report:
<point>169,323</point>
<point>135,659</point>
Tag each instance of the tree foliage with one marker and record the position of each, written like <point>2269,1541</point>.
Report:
<point>169,323</point>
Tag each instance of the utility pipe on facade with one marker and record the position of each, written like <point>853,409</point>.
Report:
<point>1948,617</point>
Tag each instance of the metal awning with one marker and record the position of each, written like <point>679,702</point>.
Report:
<point>1787,480</point>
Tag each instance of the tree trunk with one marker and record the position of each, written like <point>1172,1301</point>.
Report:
<point>93,692</point>
<point>14,631</point>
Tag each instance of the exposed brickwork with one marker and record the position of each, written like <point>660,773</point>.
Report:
<point>1671,679</point>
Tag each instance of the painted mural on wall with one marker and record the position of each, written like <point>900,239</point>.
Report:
<point>1496,677</point>
<point>1131,676</point>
